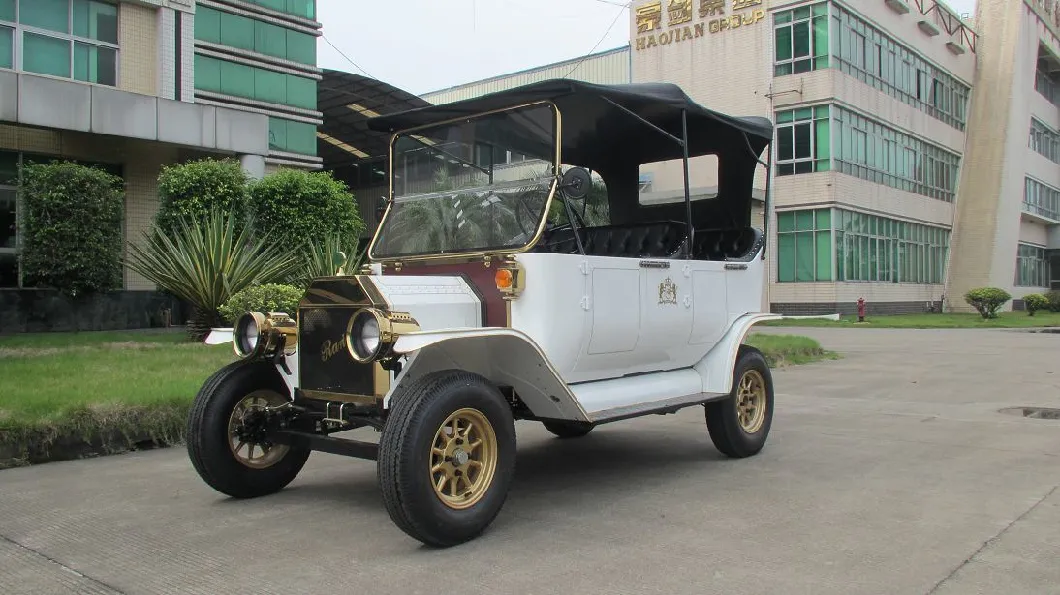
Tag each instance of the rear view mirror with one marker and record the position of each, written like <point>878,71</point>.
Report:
<point>576,183</point>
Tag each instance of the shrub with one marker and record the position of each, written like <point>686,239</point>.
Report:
<point>1053,297</point>
<point>268,297</point>
<point>1035,302</point>
<point>206,262</point>
<point>72,223</point>
<point>987,300</point>
<point>291,207</point>
<point>194,188</point>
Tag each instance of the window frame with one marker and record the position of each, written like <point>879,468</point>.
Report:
<point>18,42</point>
<point>791,122</point>
<point>786,19</point>
<point>1032,260</point>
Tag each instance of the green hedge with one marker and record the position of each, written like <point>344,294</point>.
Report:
<point>265,298</point>
<point>72,228</point>
<point>194,188</point>
<point>292,207</point>
<point>987,300</point>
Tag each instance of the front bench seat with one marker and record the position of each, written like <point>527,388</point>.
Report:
<point>662,239</point>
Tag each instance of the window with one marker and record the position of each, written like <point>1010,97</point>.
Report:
<point>879,249</point>
<point>801,39</point>
<point>292,137</point>
<point>1032,266</point>
<point>215,26</point>
<point>1045,141</point>
<point>1041,199</point>
<point>803,140</point>
<point>866,53</point>
<point>66,38</point>
<point>873,151</point>
<point>259,84</point>
<point>804,246</point>
<point>1048,85</point>
<point>306,9</point>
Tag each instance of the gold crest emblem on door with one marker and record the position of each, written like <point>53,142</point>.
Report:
<point>667,292</point>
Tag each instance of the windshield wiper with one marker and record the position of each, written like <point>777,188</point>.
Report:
<point>451,156</point>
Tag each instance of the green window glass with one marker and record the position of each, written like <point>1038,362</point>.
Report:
<point>804,257</point>
<point>45,55</point>
<point>7,44</point>
<point>278,134</point>
<point>786,221</point>
<point>270,39</point>
<point>95,64</point>
<point>207,24</point>
<point>270,86</point>
<point>302,8</point>
<point>804,142</point>
<point>786,258</point>
<point>301,47</point>
<point>302,92</point>
<point>301,138</point>
<point>207,74</point>
<point>801,39</point>
<point>53,15</point>
<point>237,79</point>
<point>824,255</point>
<point>783,46</point>
<point>237,31</point>
<point>7,10</point>
<point>96,20</point>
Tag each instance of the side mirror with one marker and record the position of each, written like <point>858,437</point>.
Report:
<point>576,183</point>
<point>380,209</point>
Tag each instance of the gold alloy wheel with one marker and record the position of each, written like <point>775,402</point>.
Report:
<point>463,458</point>
<point>751,401</point>
<point>251,454</point>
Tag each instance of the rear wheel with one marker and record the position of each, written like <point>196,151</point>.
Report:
<point>447,457</point>
<point>565,429</point>
<point>225,441</point>
<point>740,423</point>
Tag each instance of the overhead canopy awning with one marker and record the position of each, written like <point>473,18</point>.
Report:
<point>348,100</point>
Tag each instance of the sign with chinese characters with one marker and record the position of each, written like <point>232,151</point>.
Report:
<point>714,16</point>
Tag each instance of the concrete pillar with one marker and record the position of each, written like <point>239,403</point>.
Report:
<point>254,165</point>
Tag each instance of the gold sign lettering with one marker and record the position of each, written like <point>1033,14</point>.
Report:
<point>649,18</point>
<point>680,11</point>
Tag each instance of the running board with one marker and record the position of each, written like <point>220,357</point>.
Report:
<point>665,407</point>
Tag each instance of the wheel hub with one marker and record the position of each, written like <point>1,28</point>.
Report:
<point>751,401</point>
<point>463,458</point>
<point>248,432</point>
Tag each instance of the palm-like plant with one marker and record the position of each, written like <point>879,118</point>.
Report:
<point>204,262</point>
<point>330,256</point>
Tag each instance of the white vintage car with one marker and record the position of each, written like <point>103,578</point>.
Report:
<point>490,297</point>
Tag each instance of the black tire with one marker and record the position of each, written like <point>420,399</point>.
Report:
<point>723,421</point>
<point>405,452</point>
<point>564,429</point>
<point>208,433</point>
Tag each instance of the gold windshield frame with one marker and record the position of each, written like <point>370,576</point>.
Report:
<point>557,129</point>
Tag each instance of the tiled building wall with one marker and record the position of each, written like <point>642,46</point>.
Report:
<point>138,34</point>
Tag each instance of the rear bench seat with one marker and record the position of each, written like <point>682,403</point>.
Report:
<point>662,239</point>
<point>726,244</point>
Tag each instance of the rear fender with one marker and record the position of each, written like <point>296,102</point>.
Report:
<point>716,367</point>
<point>505,357</point>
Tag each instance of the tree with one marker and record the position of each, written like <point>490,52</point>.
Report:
<point>987,300</point>
<point>194,188</point>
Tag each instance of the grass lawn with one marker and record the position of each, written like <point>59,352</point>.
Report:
<point>114,389</point>
<point>954,320</point>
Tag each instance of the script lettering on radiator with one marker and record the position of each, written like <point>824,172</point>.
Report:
<point>330,348</point>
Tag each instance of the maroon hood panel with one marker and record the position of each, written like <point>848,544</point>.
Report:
<point>481,279</point>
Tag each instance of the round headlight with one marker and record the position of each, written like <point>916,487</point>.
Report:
<point>364,338</point>
<point>246,335</point>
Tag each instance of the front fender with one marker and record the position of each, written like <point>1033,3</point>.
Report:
<point>716,367</point>
<point>504,356</point>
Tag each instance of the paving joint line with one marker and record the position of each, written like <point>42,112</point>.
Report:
<point>65,568</point>
<point>991,541</point>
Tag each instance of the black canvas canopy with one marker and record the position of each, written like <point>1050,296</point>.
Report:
<point>614,129</point>
<point>595,127</point>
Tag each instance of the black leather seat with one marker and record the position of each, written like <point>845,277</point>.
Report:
<point>726,244</point>
<point>661,239</point>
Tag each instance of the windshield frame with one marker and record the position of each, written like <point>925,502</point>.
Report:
<point>557,131</point>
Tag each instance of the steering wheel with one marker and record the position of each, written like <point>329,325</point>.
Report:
<point>525,217</point>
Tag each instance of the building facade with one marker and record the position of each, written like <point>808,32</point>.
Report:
<point>134,85</point>
<point>916,154</point>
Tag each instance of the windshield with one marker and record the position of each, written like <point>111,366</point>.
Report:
<point>471,186</point>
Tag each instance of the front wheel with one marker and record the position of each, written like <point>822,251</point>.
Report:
<point>739,424</point>
<point>446,457</point>
<point>226,448</point>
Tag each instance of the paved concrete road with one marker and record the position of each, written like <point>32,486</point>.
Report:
<point>887,472</point>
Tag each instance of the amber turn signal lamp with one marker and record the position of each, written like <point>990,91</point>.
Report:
<point>504,278</point>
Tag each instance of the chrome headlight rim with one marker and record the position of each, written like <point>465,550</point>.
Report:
<point>241,333</point>
<point>354,328</point>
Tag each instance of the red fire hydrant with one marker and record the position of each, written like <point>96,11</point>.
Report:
<point>861,309</point>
